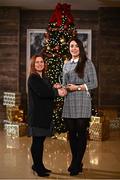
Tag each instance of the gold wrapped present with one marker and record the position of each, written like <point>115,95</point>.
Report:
<point>15,129</point>
<point>14,113</point>
<point>99,129</point>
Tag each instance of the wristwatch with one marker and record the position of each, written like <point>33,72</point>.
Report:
<point>79,88</point>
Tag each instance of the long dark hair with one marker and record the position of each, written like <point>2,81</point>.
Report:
<point>79,69</point>
<point>32,65</point>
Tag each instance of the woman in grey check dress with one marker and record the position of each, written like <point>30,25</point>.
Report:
<point>79,77</point>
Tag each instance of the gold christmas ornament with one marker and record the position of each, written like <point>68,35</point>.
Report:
<point>62,40</point>
<point>48,47</point>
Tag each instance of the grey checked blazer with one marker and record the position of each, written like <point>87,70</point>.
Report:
<point>77,104</point>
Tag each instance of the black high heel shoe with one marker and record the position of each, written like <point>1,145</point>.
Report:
<point>71,167</point>
<point>47,170</point>
<point>75,170</point>
<point>39,172</point>
<point>43,169</point>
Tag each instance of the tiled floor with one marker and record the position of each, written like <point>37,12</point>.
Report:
<point>101,161</point>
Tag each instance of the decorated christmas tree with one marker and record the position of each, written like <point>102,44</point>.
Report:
<point>60,29</point>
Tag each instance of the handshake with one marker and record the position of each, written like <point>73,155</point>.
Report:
<point>61,90</point>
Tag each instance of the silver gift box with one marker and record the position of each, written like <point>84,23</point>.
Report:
<point>11,98</point>
<point>15,129</point>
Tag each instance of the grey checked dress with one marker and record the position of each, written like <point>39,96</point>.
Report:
<point>77,104</point>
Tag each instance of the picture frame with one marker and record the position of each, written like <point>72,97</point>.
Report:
<point>37,36</point>
<point>35,42</point>
<point>85,35</point>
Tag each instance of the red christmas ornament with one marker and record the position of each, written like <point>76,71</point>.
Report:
<point>65,26</point>
<point>57,47</point>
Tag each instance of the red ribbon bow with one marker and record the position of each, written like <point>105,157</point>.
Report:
<point>60,10</point>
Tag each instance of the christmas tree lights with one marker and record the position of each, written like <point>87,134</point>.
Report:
<point>60,30</point>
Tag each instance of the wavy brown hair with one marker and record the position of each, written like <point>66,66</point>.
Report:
<point>32,65</point>
<point>79,69</point>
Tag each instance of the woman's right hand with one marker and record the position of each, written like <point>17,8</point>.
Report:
<point>57,85</point>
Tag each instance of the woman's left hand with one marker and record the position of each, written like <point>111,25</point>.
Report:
<point>62,92</point>
<point>74,87</point>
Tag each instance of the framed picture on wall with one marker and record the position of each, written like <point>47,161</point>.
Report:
<point>35,42</point>
<point>85,35</point>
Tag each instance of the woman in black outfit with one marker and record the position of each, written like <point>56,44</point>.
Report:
<point>40,108</point>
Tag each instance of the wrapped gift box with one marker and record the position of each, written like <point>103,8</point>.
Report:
<point>11,99</point>
<point>99,129</point>
<point>14,113</point>
<point>15,129</point>
<point>97,119</point>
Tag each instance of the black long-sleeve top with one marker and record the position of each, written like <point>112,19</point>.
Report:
<point>40,101</point>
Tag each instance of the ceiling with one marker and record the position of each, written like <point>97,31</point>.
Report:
<point>50,4</point>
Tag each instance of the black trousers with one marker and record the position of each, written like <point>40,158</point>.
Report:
<point>77,129</point>
<point>37,151</point>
